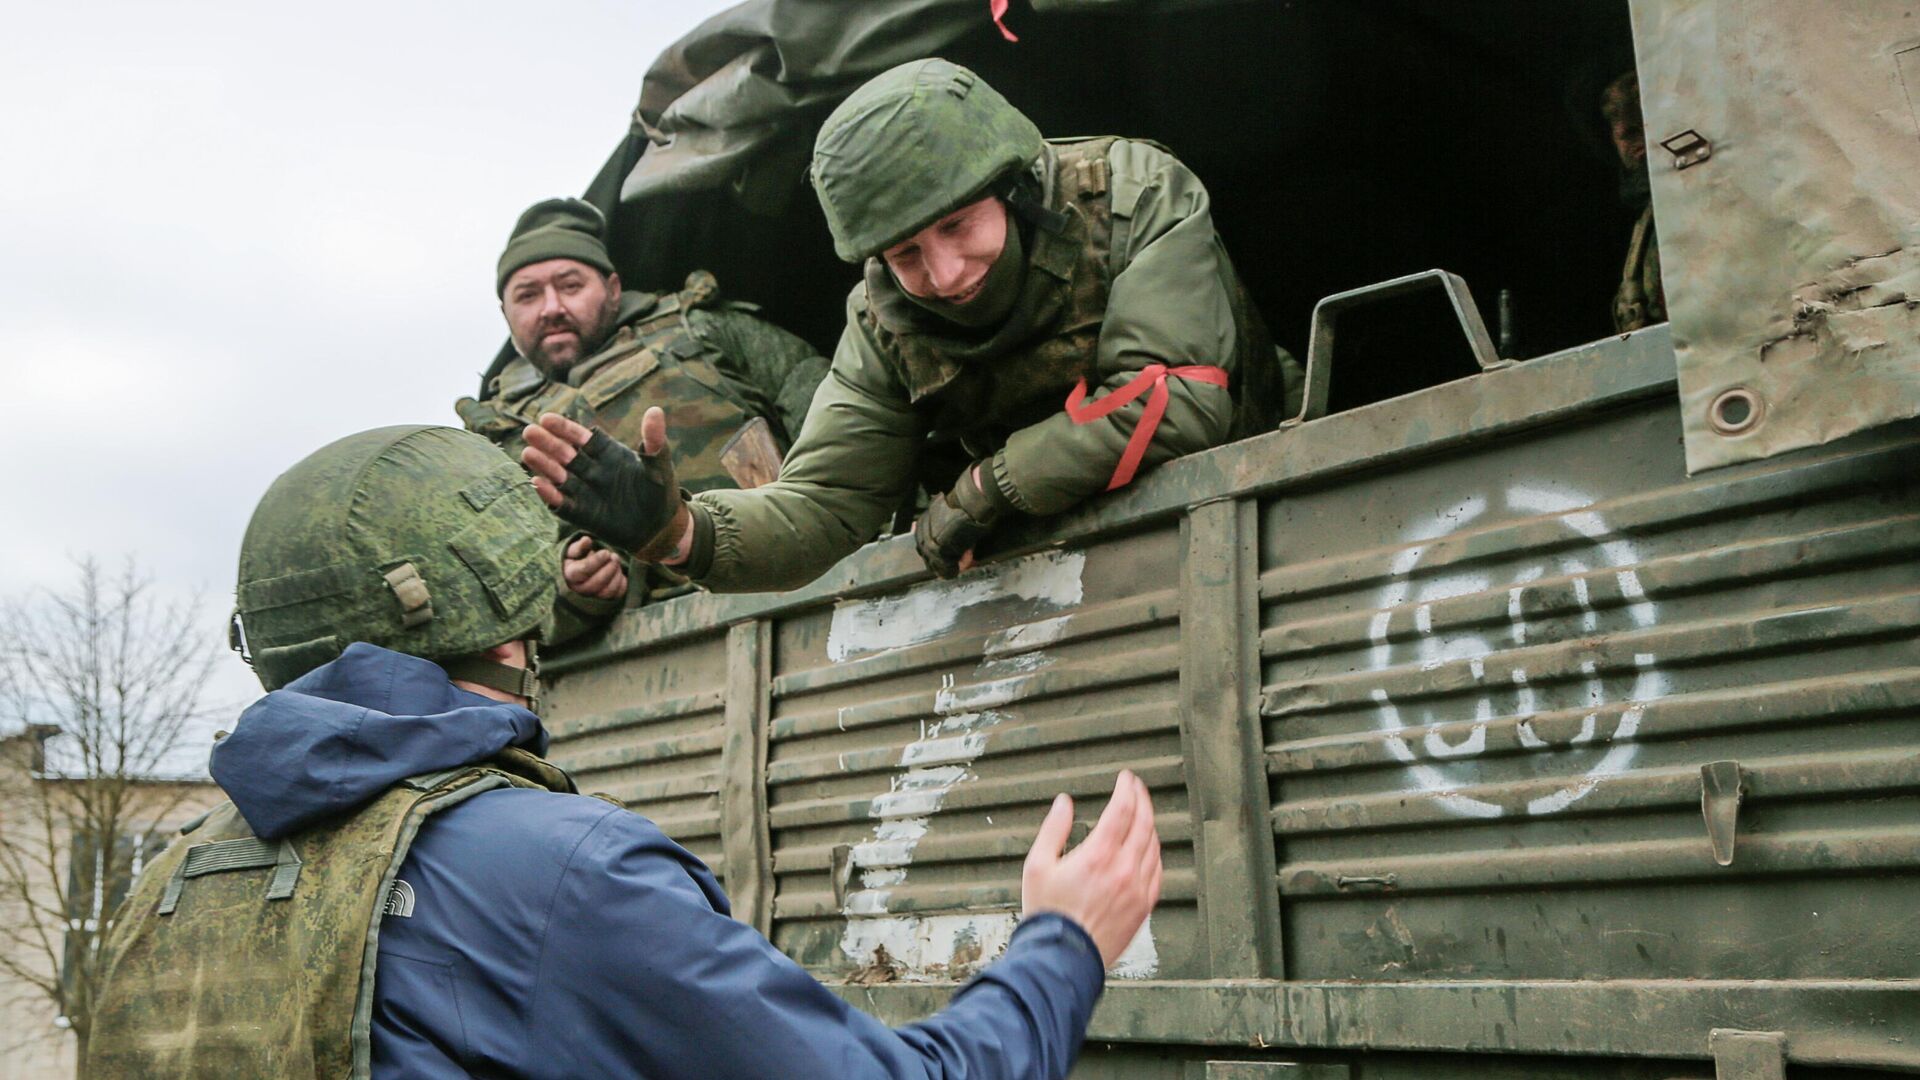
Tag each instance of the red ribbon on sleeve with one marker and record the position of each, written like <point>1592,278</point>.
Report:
<point>999,10</point>
<point>1152,377</point>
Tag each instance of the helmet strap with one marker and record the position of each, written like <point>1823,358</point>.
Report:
<point>1024,199</point>
<point>520,682</point>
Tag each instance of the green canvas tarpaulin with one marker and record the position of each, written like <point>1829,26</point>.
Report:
<point>735,101</point>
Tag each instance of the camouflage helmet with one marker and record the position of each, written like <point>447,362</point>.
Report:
<point>915,143</point>
<point>425,540</point>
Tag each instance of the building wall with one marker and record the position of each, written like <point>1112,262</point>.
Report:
<point>33,1044</point>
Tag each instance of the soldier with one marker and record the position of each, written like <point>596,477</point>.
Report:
<point>402,886</point>
<point>1038,322</point>
<point>1641,299</point>
<point>735,386</point>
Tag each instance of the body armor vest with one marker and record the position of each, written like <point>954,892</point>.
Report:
<point>1641,299</point>
<point>654,358</point>
<point>237,956</point>
<point>973,393</point>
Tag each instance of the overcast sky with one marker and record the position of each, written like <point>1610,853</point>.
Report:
<point>231,232</point>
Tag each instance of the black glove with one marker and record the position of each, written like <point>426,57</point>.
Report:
<point>957,521</point>
<point>628,500</point>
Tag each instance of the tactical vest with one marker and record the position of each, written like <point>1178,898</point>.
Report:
<point>1641,299</point>
<point>653,358</point>
<point>242,957</point>
<point>977,396</point>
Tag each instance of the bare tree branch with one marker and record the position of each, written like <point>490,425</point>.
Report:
<point>100,684</point>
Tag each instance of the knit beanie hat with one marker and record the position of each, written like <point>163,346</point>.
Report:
<point>555,229</point>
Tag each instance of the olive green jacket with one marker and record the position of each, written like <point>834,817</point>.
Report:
<point>1169,301</point>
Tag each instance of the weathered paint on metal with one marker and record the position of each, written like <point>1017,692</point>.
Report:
<point>1423,690</point>
<point>1867,1024</point>
<point>1219,680</point>
<point>743,768</point>
<point>1748,1055</point>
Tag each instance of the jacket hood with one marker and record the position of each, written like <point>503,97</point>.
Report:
<point>335,738</point>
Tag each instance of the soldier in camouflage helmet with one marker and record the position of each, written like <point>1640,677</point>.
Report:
<point>735,387</point>
<point>401,886</point>
<point>1038,322</point>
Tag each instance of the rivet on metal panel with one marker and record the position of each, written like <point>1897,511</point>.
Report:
<point>1735,411</point>
<point>1366,881</point>
<point>1748,1055</point>
<point>840,867</point>
<point>1689,148</point>
<point>1720,790</point>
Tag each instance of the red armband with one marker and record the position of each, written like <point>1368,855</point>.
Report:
<point>998,9</point>
<point>1152,377</point>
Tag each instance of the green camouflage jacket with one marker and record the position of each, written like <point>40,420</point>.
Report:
<point>1130,274</point>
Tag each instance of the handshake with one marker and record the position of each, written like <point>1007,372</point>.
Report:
<point>630,500</point>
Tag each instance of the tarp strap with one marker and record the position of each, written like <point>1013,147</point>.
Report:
<point>1152,377</point>
<point>999,10</point>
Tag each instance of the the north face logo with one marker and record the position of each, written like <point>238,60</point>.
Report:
<point>399,900</point>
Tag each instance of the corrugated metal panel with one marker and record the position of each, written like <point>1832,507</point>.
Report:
<point>1493,680</point>
<point>650,734</point>
<point>918,738</point>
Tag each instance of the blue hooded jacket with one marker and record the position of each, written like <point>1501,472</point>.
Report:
<point>558,936</point>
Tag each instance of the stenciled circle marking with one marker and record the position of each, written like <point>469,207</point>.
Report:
<point>1443,765</point>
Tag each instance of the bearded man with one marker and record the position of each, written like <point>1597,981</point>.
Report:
<point>734,386</point>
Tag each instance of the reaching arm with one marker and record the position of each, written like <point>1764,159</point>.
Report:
<point>851,468</point>
<point>643,972</point>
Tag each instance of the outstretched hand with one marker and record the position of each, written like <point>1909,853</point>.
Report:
<point>626,499</point>
<point>1110,882</point>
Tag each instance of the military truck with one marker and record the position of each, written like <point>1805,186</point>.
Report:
<point>1540,702</point>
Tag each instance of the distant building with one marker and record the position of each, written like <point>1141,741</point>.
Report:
<point>35,1041</point>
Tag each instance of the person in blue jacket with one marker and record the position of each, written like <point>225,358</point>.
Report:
<point>402,886</point>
